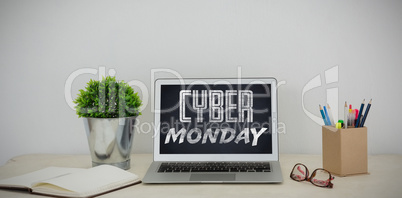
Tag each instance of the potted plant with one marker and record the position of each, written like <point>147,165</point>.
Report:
<point>109,110</point>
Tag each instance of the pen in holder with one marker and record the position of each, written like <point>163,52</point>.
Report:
<point>344,151</point>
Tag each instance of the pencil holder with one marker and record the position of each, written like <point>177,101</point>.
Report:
<point>344,151</point>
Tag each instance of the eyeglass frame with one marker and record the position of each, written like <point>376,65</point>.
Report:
<point>307,178</point>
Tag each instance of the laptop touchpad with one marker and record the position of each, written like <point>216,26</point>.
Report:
<point>212,177</point>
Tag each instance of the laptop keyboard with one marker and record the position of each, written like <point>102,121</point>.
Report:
<point>214,167</point>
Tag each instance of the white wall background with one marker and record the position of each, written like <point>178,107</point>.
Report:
<point>43,42</point>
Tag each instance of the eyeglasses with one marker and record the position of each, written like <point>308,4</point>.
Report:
<point>320,177</point>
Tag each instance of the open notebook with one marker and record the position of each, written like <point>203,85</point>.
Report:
<point>72,182</point>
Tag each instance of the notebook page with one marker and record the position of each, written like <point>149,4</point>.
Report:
<point>25,181</point>
<point>91,181</point>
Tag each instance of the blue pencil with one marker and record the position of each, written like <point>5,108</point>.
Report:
<point>360,114</point>
<point>365,114</point>
<point>323,115</point>
<point>326,116</point>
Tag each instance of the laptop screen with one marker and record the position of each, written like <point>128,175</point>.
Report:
<point>216,117</point>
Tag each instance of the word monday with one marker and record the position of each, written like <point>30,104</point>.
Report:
<point>213,135</point>
<point>217,105</point>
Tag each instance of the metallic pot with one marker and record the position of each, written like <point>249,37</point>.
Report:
<point>110,140</point>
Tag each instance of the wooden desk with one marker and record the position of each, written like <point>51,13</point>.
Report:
<point>384,180</point>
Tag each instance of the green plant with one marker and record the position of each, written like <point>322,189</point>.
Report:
<point>107,99</point>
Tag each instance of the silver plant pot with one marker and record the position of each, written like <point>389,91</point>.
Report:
<point>110,140</point>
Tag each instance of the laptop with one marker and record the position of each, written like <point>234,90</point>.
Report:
<point>215,131</point>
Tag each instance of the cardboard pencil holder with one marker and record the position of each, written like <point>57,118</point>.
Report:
<point>344,151</point>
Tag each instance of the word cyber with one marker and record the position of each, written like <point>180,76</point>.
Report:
<point>220,106</point>
<point>216,105</point>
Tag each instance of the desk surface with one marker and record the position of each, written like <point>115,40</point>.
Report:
<point>384,179</point>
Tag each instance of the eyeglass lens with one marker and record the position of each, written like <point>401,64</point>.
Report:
<point>299,173</point>
<point>320,177</point>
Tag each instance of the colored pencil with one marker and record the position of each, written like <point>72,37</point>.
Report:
<point>360,114</point>
<point>366,113</point>
<point>323,115</point>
